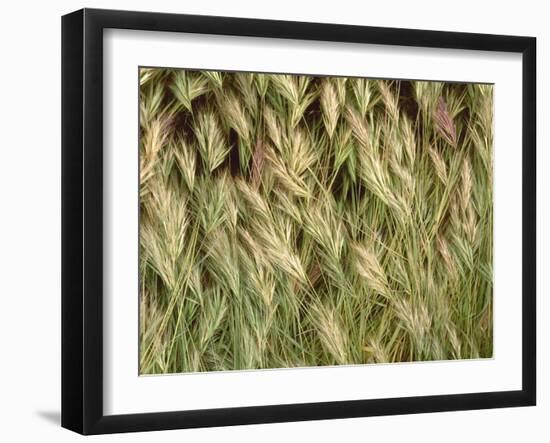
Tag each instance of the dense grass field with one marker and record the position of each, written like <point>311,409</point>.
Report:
<point>291,221</point>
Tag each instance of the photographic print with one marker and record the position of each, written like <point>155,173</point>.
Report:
<point>299,220</point>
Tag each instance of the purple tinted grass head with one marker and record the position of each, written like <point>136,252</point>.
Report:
<point>444,123</point>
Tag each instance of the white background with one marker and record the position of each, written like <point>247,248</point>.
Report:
<point>30,221</point>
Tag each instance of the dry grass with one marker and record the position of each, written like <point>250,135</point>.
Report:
<point>302,221</point>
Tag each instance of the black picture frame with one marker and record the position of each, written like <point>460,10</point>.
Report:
<point>82,215</point>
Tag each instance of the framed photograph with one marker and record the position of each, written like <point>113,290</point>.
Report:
<point>268,221</point>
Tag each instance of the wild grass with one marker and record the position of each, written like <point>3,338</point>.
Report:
<point>291,221</point>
